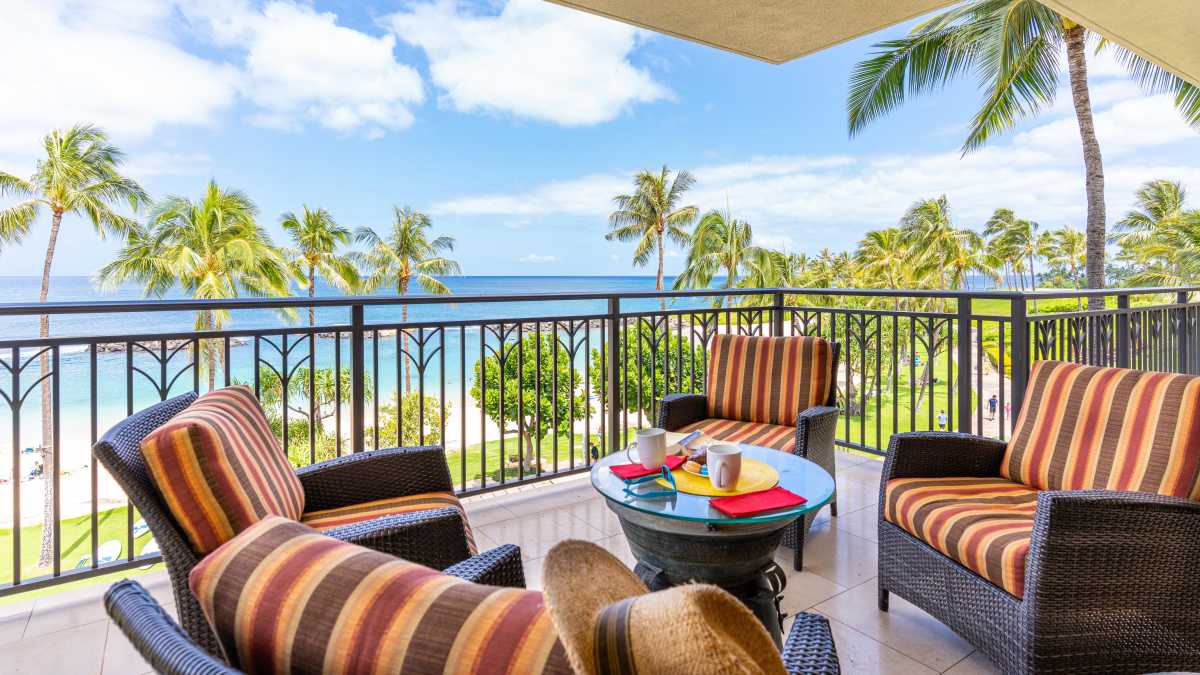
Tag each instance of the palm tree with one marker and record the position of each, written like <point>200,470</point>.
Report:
<point>1161,236</point>
<point>212,248</point>
<point>930,233</point>
<point>406,255</point>
<point>316,237</point>
<point>651,213</point>
<point>1016,239</point>
<point>722,243</point>
<point>1012,48</point>
<point>79,176</point>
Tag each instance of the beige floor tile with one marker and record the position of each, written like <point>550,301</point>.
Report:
<point>852,495</point>
<point>533,573</point>
<point>76,651</point>
<point>120,658</point>
<point>13,621</point>
<point>839,556</point>
<point>861,523</point>
<point>904,628</point>
<point>858,653</point>
<point>975,664</point>
<point>548,498</point>
<point>805,589</point>
<point>595,512</point>
<point>864,472</point>
<point>618,545</point>
<point>486,512</point>
<point>53,613</point>
<point>536,533</point>
<point>842,459</point>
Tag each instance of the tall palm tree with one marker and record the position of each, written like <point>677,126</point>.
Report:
<point>1161,236</point>
<point>1011,48</point>
<point>212,248</point>
<point>316,237</point>
<point>79,176</point>
<point>1066,248</point>
<point>721,243</point>
<point>651,214</point>
<point>1016,239</point>
<point>884,256</point>
<point>929,231</point>
<point>404,256</point>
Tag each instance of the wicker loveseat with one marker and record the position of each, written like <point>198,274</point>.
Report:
<point>776,392</point>
<point>345,495</point>
<point>1073,548</point>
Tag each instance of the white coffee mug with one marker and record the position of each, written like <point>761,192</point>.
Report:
<point>724,465</point>
<point>651,448</point>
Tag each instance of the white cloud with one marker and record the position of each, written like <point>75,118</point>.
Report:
<point>809,202</point>
<point>538,259</point>
<point>111,64</point>
<point>533,60</point>
<point>146,164</point>
<point>301,66</point>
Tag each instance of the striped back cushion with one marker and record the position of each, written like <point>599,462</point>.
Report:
<point>1085,427</point>
<point>768,380</point>
<point>220,469</point>
<point>282,598</point>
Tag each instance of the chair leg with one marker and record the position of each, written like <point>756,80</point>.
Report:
<point>833,509</point>
<point>883,599</point>
<point>798,552</point>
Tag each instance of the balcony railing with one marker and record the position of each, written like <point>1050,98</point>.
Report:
<point>520,388</point>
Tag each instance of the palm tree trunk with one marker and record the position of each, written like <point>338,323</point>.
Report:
<point>48,449</point>
<point>312,291</point>
<point>1092,162</point>
<point>210,350</point>
<point>658,282</point>
<point>404,350</point>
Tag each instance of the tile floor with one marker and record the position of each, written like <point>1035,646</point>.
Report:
<point>69,633</point>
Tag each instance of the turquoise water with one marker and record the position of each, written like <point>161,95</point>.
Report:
<point>456,350</point>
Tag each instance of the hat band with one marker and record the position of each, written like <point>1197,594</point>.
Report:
<point>614,650</point>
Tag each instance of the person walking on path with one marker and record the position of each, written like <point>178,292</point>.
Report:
<point>993,402</point>
<point>941,420</point>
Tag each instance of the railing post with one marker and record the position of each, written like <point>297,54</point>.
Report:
<point>777,315</point>
<point>964,364</point>
<point>358,392</point>
<point>1183,339</point>
<point>614,380</point>
<point>1122,331</point>
<point>1020,355</point>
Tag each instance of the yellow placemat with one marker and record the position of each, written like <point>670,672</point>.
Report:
<point>755,476</point>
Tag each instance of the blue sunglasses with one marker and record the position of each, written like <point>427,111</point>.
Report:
<point>664,473</point>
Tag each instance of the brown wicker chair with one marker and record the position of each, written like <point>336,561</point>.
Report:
<point>809,649</point>
<point>816,428</point>
<point>435,538</point>
<point>1112,579</point>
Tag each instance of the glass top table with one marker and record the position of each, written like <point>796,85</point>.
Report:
<point>795,474</point>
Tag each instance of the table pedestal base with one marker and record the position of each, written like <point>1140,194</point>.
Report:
<point>736,557</point>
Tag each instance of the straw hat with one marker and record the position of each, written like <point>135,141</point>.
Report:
<point>610,624</point>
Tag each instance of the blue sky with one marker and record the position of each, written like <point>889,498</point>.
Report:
<point>513,123</point>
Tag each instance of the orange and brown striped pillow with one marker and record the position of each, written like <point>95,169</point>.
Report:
<point>282,598</point>
<point>768,380</point>
<point>1086,427</point>
<point>220,469</point>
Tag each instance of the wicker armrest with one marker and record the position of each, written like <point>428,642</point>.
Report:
<point>1108,549</point>
<point>155,635</point>
<point>816,428</point>
<point>435,538</point>
<point>809,649</point>
<point>680,410</point>
<point>500,566</point>
<point>377,474</point>
<point>931,454</point>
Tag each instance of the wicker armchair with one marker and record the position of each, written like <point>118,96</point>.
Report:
<point>809,649</point>
<point>815,429</point>
<point>1112,579</point>
<point>436,538</point>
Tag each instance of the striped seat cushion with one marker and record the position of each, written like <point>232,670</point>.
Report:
<point>220,469</point>
<point>984,524</point>
<point>283,598</point>
<point>765,435</point>
<point>768,380</point>
<point>1084,427</point>
<point>328,519</point>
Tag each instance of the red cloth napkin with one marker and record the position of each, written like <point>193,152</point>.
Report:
<point>752,503</point>
<point>630,471</point>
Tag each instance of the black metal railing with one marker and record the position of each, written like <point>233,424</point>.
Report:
<point>517,388</point>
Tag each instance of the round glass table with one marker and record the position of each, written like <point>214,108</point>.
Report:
<point>681,538</point>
